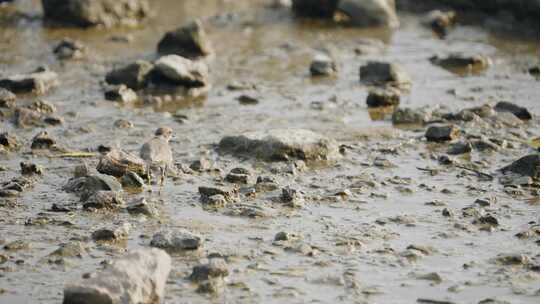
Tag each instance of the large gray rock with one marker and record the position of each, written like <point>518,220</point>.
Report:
<point>38,82</point>
<point>182,71</point>
<point>527,166</point>
<point>86,13</point>
<point>282,144</point>
<point>370,12</point>
<point>188,41</point>
<point>132,75</point>
<point>138,277</point>
<point>88,185</point>
<point>176,241</point>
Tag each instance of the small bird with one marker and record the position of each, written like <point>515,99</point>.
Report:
<point>158,154</point>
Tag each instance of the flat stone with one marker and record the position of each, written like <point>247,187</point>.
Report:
<point>106,13</point>
<point>182,71</point>
<point>520,112</point>
<point>282,144</point>
<point>38,82</point>
<point>118,163</point>
<point>230,193</point>
<point>87,185</point>
<point>74,249</point>
<point>458,61</point>
<point>176,241</point>
<point>133,75</point>
<point>189,41</point>
<point>442,133</point>
<point>138,277</point>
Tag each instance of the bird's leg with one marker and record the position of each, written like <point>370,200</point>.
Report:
<point>163,172</point>
<point>149,174</point>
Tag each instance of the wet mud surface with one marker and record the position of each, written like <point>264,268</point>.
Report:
<point>387,223</point>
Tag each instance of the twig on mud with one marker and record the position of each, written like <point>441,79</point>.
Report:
<point>74,155</point>
<point>479,173</point>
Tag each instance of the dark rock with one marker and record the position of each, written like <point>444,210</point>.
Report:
<point>213,286</point>
<point>520,112</point>
<point>216,267</point>
<point>239,176</point>
<point>132,180</point>
<point>440,22</point>
<point>370,12</point>
<point>230,193</point>
<point>493,301</point>
<point>176,241</point>
<point>189,41</point>
<point>142,206</point>
<point>106,13</point>
<point>535,71</point>
<point>282,144</point>
<point>121,93</point>
<point>266,183</point>
<point>53,120</point>
<point>247,100</point>
<point>215,201</point>
<point>31,169</point>
<point>442,133</point>
<point>69,49</point>
<point>9,141</point>
<point>460,148</point>
<point>112,234</point>
<point>134,75</point>
<point>292,197</point>
<point>7,99</point>
<point>527,166</point>
<point>118,163</point>
<point>383,98</point>
<point>323,65</point>
<point>43,141</point>
<point>458,62</point>
<point>406,116</point>
<point>90,184</point>
<point>38,82</point>
<point>182,71</point>
<point>108,200</point>
<point>384,73</point>
<point>315,8</point>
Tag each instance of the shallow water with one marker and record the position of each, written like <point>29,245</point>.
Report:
<point>272,50</point>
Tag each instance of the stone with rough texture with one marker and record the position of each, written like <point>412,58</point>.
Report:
<point>176,241</point>
<point>370,12</point>
<point>384,73</point>
<point>118,162</point>
<point>406,116</point>
<point>188,41</point>
<point>138,277</point>
<point>182,71</point>
<point>7,98</point>
<point>282,144</point>
<point>442,133</point>
<point>9,141</point>
<point>216,267</point>
<point>121,93</point>
<point>38,82</point>
<point>87,185</point>
<point>133,75</point>
<point>383,98</point>
<point>88,13</point>
<point>108,200</point>
<point>527,166</point>
<point>323,65</point>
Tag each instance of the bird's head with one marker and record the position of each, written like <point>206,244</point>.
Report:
<point>164,132</point>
